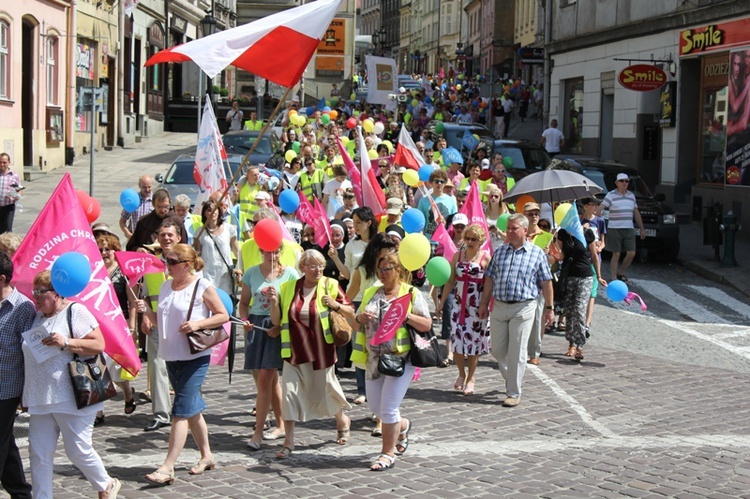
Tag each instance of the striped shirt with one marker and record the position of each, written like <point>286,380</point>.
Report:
<point>7,192</point>
<point>144,208</point>
<point>621,208</point>
<point>518,274</point>
<point>16,316</point>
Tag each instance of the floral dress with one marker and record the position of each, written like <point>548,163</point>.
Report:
<point>470,334</point>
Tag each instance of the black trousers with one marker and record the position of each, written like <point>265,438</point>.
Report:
<point>7,213</point>
<point>12,477</point>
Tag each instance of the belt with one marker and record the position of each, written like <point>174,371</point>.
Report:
<point>513,302</point>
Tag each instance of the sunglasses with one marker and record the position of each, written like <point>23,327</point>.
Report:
<point>383,270</point>
<point>471,239</point>
<point>499,171</point>
<point>624,181</point>
<point>438,181</point>
<point>173,261</point>
<point>543,226</point>
<point>40,292</point>
<point>348,196</point>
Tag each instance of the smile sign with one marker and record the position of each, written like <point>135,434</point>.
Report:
<point>642,77</point>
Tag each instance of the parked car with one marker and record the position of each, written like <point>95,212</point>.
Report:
<point>659,220</point>
<point>528,157</point>
<point>179,177</point>
<point>268,152</point>
<point>454,132</point>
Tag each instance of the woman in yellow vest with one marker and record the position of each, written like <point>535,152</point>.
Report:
<point>309,388</point>
<point>385,393</point>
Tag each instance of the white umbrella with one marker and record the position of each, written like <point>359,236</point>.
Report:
<point>553,186</point>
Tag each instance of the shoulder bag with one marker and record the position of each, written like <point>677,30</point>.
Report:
<point>425,349</point>
<point>203,339</point>
<point>90,378</point>
<point>340,327</point>
<point>391,364</point>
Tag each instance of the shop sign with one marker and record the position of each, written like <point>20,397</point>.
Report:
<point>714,37</point>
<point>334,39</point>
<point>668,105</point>
<point>642,77</point>
<point>531,55</point>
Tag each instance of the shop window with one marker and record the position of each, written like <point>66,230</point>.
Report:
<point>4,58</point>
<point>713,135</point>
<point>573,115</point>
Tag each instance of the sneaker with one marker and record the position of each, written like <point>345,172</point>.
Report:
<point>511,402</point>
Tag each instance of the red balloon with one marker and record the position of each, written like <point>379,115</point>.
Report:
<point>95,210</point>
<point>351,123</point>
<point>267,234</point>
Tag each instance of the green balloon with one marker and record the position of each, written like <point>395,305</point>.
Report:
<point>325,119</point>
<point>295,146</point>
<point>508,163</point>
<point>438,271</point>
<point>502,221</point>
<point>439,128</point>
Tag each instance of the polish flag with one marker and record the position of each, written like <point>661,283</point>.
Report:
<point>406,151</point>
<point>208,170</point>
<point>372,193</point>
<point>474,211</point>
<point>277,47</point>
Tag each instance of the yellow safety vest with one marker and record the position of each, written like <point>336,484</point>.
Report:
<point>196,222</point>
<point>253,125</point>
<point>248,206</point>
<point>153,283</point>
<point>307,183</point>
<point>290,252</point>
<point>403,340</point>
<point>482,184</point>
<point>326,287</point>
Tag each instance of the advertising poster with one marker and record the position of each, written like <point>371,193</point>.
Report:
<point>737,170</point>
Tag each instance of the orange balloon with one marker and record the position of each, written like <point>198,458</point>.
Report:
<point>521,202</point>
<point>333,114</point>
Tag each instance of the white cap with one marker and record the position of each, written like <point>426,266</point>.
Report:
<point>263,195</point>
<point>485,164</point>
<point>622,176</point>
<point>460,219</point>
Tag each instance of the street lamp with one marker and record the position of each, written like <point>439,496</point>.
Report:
<point>208,25</point>
<point>375,41</point>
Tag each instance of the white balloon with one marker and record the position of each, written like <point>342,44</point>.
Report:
<point>379,127</point>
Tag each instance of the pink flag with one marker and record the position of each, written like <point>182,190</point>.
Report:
<point>473,210</point>
<point>322,227</point>
<point>442,237</point>
<point>351,169</point>
<point>208,171</point>
<point>284,229</point>
<point>306,212</point>
<point>276,47</point>
<point>61,227</point>
<point>135,264</point>
<point>372,194</point>
<point>392,320</point>
<point>219,352</point>
<point>407,153</point>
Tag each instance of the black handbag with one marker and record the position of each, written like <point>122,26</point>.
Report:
<point>425,349</point>
<point>203,339</point>
<point>390,364</point>
<point>90,378</point>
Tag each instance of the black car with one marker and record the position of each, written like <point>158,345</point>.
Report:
<point>268,152</point>
<point>454,133</point>
<point>659,220</point>
<point>528,157</point>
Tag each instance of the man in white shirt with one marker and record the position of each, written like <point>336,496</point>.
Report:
<point>234,116</point>
<point>553,139</point>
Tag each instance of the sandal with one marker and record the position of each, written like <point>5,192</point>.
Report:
<point>571,351</point>
<point>130,404</point>
<point>459,384</point>
<point>146,396</point>
<point>579,353</point>
<point>623,278</point>
<point>446,363</point>
<point>377,432</point>
<point>274,435</point>
<point>361,399</point>
<point>403,443</point>
<point>383,462</point>
<point>160,477</point>
<point>202,466</point>
<point>343,436</point>
<point>284,453</point>
<point>253,411</point>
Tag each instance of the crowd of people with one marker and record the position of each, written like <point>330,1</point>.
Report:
<point>506,286</point>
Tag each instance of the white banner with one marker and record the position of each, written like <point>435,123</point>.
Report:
<point>381,80</point>
<point>209,170</point>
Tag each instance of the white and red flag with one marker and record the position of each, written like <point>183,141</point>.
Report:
<point>61,227</point>
<point>277,47</point>
<point>474,211</point>
<point>392,320</point>
<point>406,151</point>
<point>134,265</point>
<point>208,171</point>
<point>372,193</point>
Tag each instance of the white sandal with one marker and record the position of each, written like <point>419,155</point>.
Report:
<point>384,462</point>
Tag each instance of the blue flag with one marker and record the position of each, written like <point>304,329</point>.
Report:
<point>321,105</point>
<point>469,141</point>
<point>572,224</point>
<point>451,155</point>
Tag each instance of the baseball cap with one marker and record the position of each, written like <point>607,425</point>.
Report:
<point>394,206</point>
<point>531,206</point>
<point>460,219</point>
<point>622,176</point>
<point>263,195</point>
<point>485,164</point>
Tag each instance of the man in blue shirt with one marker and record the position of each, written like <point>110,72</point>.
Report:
<point>517,272</point>
<point>16,316</point>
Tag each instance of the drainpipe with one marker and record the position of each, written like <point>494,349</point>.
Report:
<point>547,63</point>
<point>120,75</point>
<point>70,127</point>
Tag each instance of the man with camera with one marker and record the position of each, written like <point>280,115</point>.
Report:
<point>10,189</point>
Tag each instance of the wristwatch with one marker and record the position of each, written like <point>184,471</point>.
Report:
<point>67,344</point>
<point>548,307</point>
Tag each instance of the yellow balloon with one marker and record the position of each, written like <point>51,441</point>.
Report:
<point>344,141</point>
<point>372,153</point>
<point>389,145</point>
<point>411,178</point>
<point>561,211</point>
<point>290,155</point>
<point>368,125</point>
<point>414,250</point>
<point>301,121</point>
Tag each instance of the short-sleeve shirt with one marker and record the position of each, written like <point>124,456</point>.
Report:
<point>552,137</point>
<point>8,194</point>
<point>257,283</point>
<point>17,313</point>
<point>130,219</point>
<point>621,208</point>
<point>518,274</point>
<point>172,311</point>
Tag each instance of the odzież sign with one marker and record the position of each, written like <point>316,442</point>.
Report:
<point>642,77</point>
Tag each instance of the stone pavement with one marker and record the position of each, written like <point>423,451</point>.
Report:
<point>616,424</point>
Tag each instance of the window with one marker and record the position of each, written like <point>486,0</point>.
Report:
<point>51,70</point>
<point>4,58</point>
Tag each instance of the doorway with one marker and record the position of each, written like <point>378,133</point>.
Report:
<point>27,91</point>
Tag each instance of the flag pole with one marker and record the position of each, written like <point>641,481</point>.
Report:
<point>246,158</point>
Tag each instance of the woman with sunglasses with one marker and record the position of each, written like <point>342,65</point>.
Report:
<point>384,392</point>
<point>310,389</point>
<point>470,336</point>
<point>262,342</point>
<point>186,370</point>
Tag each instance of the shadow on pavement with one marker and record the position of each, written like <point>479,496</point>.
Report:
<point>167,157</point>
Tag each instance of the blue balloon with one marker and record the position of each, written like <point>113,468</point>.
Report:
<point>309,111</point>
<point>226,300</point>
<point>425,171</point>
<point>130,200</point>
<point>289,200</point>
<point>412,220</point>
<point>617,290</point>
<point>327,109</point>
<point>71,273</point>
